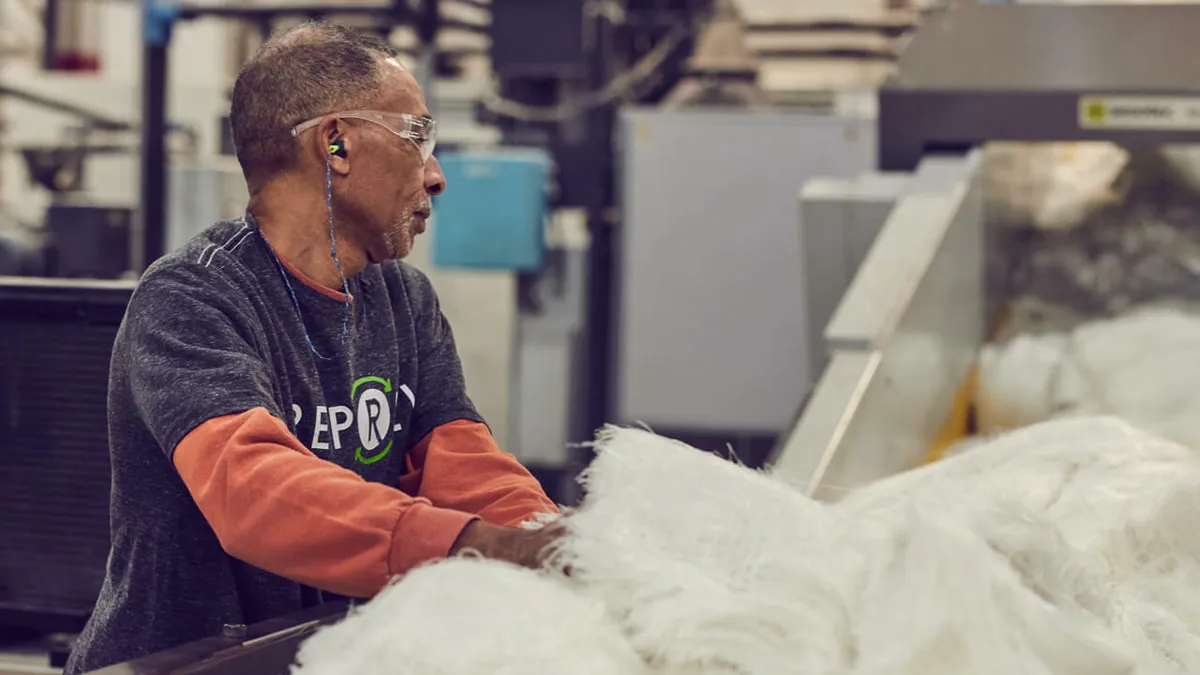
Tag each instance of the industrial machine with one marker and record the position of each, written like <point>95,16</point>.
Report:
<point>56,339</point>
<point>711,290</point>
<point>937,275</point>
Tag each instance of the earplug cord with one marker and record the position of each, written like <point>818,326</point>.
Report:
<point>337,261</point>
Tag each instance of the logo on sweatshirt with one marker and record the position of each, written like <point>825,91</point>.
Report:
<point>371,416</point>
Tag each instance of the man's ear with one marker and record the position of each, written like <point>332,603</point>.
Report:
<point>335,145</point>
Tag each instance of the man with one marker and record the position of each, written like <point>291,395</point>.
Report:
<point>288,425</point>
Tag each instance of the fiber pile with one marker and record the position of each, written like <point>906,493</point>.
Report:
<point>1067,547</point>
<point>468,615</point>
<point>1141,367</point>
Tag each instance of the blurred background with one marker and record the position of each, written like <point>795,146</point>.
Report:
<point>833,238</point>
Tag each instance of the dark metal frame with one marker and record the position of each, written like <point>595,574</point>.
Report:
<point>266,648</point>
<point>996,72</point>
<point>97,120</point>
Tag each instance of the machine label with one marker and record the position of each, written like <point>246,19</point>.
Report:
<point>1139,112</point>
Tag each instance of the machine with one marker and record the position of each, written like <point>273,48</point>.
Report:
<point>56,339</point>
<point>937,275</point>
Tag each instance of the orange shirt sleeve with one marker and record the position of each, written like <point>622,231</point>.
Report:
<point>459,466</point>
<point>274,504</point>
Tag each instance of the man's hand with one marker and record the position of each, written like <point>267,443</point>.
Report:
<point>527,548</point>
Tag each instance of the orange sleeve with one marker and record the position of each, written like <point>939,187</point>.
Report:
<point>459,466</point>
<point>276,505</point>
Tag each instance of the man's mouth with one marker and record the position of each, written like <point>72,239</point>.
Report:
<point>420,216</point>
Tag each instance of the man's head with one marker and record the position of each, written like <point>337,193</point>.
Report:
<point>286,127</point>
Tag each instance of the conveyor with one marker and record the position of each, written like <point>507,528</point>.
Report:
<point>901,345</point>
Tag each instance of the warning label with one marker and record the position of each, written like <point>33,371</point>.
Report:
<point>1139,112</point>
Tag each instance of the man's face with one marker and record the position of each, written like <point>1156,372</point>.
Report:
<point>389,187</point>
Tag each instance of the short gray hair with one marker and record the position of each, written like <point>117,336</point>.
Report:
<point>308,71</point>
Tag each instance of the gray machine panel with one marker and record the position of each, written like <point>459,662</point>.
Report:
<point>839,220</point>
<point>713,330</point>
<point>1054,47</point>
<point>976,73</point>
<point>902,343</point>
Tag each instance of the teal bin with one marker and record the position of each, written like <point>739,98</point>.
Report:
<point>492,215</point>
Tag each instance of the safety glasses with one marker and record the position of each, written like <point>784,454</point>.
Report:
<point>421,131</point>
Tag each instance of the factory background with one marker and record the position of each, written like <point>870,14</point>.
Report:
<point>886,194</point>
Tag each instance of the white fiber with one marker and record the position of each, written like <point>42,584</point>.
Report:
<point>471,617</point>
<point>1089,512</point>
<point>1141,367</point>
<point>710,565</point>
<point>947,603</point>
<point>1071,547</point>
<point>1016,382</point>
<point>540,520</point>
<point>1053,186</point>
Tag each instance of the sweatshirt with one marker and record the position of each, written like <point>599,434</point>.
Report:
<point>251,478</point>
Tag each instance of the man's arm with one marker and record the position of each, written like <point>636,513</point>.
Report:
<point>457,464</point>
<point>202,387</point>
<point>274,504</point>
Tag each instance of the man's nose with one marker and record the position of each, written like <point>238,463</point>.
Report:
<point>435,182</point>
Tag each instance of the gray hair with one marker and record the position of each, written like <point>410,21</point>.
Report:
<point>311,70</point>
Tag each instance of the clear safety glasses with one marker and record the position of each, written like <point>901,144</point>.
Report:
<point>421,131</point>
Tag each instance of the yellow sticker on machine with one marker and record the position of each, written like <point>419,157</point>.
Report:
<point>1163,113</point>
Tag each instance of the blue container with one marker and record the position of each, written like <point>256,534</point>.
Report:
<point>493,213</point>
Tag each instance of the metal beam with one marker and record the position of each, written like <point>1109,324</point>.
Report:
<point>99,120</point>
<point>980,73</point>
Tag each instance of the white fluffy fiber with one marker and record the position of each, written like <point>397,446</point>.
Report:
<point>710,566</point>
<point>1141,367</point>
<point>1018,380</point>
<point>1067,548</point>
<point>1040,536</point>
<point>468,616</point>
<point>1053,186</point>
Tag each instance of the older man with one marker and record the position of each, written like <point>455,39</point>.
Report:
<point>287,415</point>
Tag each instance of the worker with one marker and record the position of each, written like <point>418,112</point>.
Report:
<point>288,418</point>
